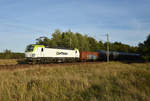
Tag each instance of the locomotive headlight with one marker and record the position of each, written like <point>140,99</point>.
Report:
<point>33,55</point>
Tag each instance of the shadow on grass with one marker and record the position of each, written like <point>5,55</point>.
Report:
<point>94,92</point>
<point>132,61</point>
<point>22,61</point>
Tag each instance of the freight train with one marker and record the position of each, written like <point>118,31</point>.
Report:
<point>42,54</point>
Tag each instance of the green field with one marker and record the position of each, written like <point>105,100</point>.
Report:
<point>112,81</point>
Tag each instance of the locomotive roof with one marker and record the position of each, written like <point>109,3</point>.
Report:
<point>61,48</point>
<point>55,47</point>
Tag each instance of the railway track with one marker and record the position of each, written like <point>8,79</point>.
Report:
<point>23,66</point>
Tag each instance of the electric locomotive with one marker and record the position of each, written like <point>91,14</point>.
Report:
<point>42,54</point>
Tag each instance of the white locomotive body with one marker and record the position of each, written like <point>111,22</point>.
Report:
<point>39,53</point>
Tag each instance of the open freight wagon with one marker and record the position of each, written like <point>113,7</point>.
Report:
<point>89,56</point>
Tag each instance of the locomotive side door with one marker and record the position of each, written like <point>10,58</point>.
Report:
<point>76,53</point>
<point>40,51</point>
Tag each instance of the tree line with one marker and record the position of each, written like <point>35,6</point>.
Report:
<point>7,54</point>
<point>69,39</point>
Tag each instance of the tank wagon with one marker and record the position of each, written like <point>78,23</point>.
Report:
<point>118,55</point>
<point>42,54</point>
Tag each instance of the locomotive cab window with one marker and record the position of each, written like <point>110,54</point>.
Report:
<point>29,48</point>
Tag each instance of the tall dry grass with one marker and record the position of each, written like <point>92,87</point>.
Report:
<point>8,61</point>
<point>112,81</point>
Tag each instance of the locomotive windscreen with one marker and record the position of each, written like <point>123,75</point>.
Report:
<point>29,48</point>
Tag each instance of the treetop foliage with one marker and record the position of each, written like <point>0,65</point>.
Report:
<point>70,39</point>
<point>8,54</point>
<point>144,48</point>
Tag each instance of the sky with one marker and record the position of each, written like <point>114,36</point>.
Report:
<point>23,21</point>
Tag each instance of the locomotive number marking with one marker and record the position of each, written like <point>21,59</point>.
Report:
<point>61,53</point>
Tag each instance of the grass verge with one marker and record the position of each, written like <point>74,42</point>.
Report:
<point>112,81</point>
<point>8,61</point>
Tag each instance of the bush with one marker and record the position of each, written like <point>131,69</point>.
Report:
<point>7,54</point>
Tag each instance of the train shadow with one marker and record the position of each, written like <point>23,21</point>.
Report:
<point>132,61</point>
<point>96,91</point>
<point>22,61</point>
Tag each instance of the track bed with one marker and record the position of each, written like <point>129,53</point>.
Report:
<point>22,66</point>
